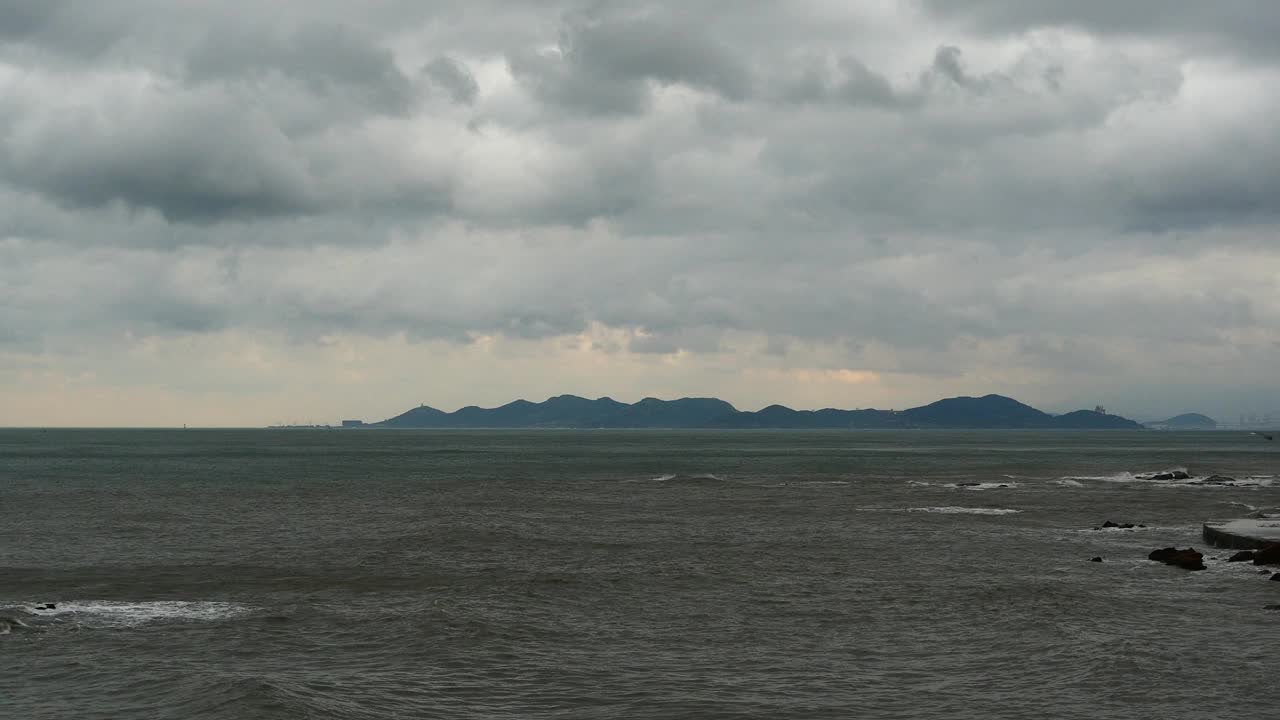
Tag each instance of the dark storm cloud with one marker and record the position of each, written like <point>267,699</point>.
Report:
<point>190,157</point>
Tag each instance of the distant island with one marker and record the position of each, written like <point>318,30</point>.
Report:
<point>569,411</point>
<point>1186,421</point>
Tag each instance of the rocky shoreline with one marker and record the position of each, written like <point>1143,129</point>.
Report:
<point>1257,540</point>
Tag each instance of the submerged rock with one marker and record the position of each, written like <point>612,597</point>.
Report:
<point>1095,559</point>
<point>1241,556</point>
<point>1219,480</point>
<point>1113,524</point>
<point>1187,559</point>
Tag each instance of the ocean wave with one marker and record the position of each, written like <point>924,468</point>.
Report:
<point>967,485</point>
<point>982,485</point>
<point>682,479</point>
<point>108,613</point>
<point>956,510</point>
<point>1161,479</point>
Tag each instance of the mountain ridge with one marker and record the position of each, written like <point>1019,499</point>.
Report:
<point>573,412</point>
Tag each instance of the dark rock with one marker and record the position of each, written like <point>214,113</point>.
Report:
<point>1276,576</point>
<point>968,484</point>
<point>1187,559</point>
<point>1113,524</point>
<point>1171,475</point>
<point>1269,555</point>
<point>1141,525</point>
<point>1241,556</point>
<point>1271,607</point>
<point>1219,480</point>
<point>1095,559</point>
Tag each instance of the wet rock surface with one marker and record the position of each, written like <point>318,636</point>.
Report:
<point>1188,559</point>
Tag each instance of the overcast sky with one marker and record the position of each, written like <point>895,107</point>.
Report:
<point>240,213</point>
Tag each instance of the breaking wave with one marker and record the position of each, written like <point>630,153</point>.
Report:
<point>955,510</point>
<point>132,614</point>
<point>1175,477</point>
<point>967,485</point>
<point>681,479</point>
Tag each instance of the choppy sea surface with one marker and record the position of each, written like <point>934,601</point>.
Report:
<point>628,574</point>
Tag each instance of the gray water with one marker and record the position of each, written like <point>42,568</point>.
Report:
<point>629,574</point>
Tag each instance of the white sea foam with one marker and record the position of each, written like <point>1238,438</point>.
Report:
<point>1150,478</point>
<point>967,485</point>
<point>1117,477</point>
<point>982,486</point>
<point>108,613</point>
<point>955,510</point>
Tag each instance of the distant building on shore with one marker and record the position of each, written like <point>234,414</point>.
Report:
<point>352,423</point>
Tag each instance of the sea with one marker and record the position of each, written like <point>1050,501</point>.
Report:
<point>497,575</point>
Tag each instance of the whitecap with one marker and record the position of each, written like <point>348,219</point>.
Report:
<point>955,510</point>
<point>982,486</point>
<point>1069,482</point>
<point>110,613</point>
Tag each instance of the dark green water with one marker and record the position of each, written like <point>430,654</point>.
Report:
<point>627,574</point>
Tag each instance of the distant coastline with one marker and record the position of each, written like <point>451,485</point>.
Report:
<point>572,412</point>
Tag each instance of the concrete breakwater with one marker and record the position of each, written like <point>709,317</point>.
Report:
<point>1245,534</point>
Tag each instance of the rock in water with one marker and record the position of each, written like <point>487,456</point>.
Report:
<point>1114,524</point>
<point>1171,475</point>
<point>1269,555</point>
<point>1219,480</point>
<point>1241,556</point>
<point>1095,559</point>
<point>1187,559</point>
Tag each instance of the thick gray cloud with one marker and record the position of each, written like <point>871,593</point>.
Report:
<point>962,196</point>
<point>454,77</point>
<point>1243,27</point>
<point>607,64</point>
